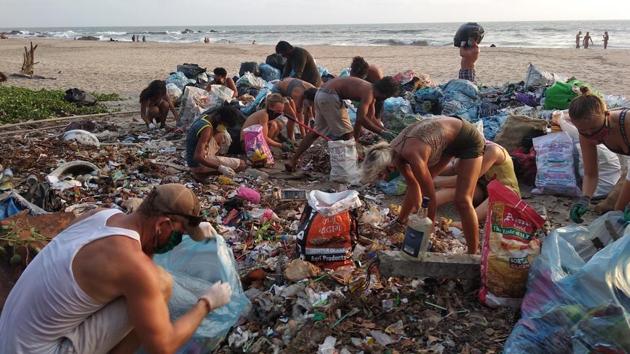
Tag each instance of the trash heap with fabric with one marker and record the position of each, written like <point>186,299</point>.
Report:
<point>293,295</point>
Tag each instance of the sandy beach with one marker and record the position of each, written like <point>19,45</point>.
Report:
<point>126,68</point>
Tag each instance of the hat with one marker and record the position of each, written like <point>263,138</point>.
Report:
<point>176,199</point>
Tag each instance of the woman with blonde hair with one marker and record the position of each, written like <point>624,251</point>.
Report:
<point>420,152</point>
<point>597,125</point>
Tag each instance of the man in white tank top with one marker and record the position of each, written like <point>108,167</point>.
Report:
<point>95,289</point>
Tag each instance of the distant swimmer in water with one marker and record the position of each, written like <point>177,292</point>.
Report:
<point>587,38</point>
<point>577,39</point>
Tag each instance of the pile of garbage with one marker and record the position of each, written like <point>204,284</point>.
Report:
<point>291,300</point>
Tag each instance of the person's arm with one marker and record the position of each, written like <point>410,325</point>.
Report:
<point>232,86</point>
<point>171,107</point>
<point>362,115</point>
<point>265,124</point>
<point>143,112</point>
<point>287,69</point>
<point>299,65</point>
<point>445,182</point>
<point>591,173</point>
<point>148,312</point>
<point>413,195</point>
<point>289,110</point>
<point>421,172</point>
<point>200,150</point>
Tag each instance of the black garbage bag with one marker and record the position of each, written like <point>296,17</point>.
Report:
<point>276,60</point>
<point>191,70</point>
<point>249,66</point>
<point>467,31</point>
<point>79,97</point>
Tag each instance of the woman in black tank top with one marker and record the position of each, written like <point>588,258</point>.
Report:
<point>597,125</point>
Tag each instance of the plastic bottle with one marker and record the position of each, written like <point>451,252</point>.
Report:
<point>419,230</point>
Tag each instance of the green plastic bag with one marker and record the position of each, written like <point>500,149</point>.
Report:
<point>560,94</point>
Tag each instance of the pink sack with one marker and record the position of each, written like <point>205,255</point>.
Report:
<point>256,147</point>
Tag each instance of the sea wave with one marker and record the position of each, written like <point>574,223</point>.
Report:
<point>399,42</point>
<point>549,29</point>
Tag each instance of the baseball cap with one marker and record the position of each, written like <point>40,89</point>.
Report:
<point>177,199</point>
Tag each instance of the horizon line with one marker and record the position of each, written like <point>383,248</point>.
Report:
<point>314,24</point>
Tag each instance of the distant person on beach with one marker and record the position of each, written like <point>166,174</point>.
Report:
<point>275,106</point>
<point>254,41</point>
<point>361,69</point>
<point>301,102</point>
<point>144,38</point>
<point>469,53</point>
<point>96,289</point>
<point>597,125</point>
<point>133,38</point>
<point>221,78</point>
<point>155,104</point>
<point>606,39</point>
<point>587,39</point>
<point>300,64</point>
<point>208,138</point>
<point>577,39</point>
<point>422,150</point>
<point>331,115</point>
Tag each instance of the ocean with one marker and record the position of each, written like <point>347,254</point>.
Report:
<point>544,34</point>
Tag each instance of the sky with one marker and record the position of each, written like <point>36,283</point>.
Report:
<point>99,13</point>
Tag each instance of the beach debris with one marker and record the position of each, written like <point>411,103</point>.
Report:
<point>298,269</point>
<point>28,61</point>
<point>82,137</point>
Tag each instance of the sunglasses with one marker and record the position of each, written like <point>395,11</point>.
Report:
<point>596,133</point>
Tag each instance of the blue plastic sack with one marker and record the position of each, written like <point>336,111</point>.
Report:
<point>396,186</point>
<point>323,71</point>
<point>252,106</point>
<point>396,107</point>
<point>8,207</point>
<point>428,100</point>
<point>179,79</point>
<point>461,99</point>
<point>493,124</point>
<point>195,266</point>
<point>268,72</point>
<point>573,305</point>
<point>345,72</point>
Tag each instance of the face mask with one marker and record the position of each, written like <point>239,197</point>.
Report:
<point>173,240</point>
<point>273,115</point>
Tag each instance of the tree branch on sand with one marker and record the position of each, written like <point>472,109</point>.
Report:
<point>28,63</point>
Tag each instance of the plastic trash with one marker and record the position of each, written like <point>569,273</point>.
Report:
<point>396,106</point>
<point>428,100</point>
<point>256,147</point>
<point>82,137</point>
<point>249,67</point>
<point>298,269</point>
<point>64,176</point>
<point>343,161</point>
<point>269,73</point>
<point>249,194</point>
<point>250,80</point>
<point>466,32</point>
<point>191,71</point>
<point>173,92</point>
<point>195,101</point>
<point>573,305</point>
<point>276,60</point>
<point>560,94</point>
<point>345,72</point>
<point>328,347</point>
<point>219,94</point>
<point>396,186</point>
<point>404,77</point>
<point>330,204</point>
<point>461,99</point>
<point>257,102</point>
<point>195,266</point>
<point>554,164</point>
<point>179,79</point>
<point>536,78</point>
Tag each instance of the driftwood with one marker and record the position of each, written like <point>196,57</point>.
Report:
<point>3,77</point>
<point>28,64</point>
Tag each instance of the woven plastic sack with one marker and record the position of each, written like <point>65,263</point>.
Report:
<point>195,266</point>
<point>256,147</point>
<point>269,73</point>
<point>343,161</point>
<point>510,246</point>
<point>555,165</point>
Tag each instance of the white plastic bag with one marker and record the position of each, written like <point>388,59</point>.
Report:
<point>173,92</point>
<point>220,94</point>
<point>194,102</point>
<point>83,137</point>
<point>555,168</point>
<point>343,161</point>
<point>329,204</point>
<point>537,78</point>
<point>249,80</point>
<point>608,164</point>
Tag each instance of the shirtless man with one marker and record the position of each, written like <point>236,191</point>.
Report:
<point>95,289</point>
<point>331,115</point>
<point>606,37</point>
<point>469,51</point>
<point>361,69</point>
<point>275,106</point>
<point>221,78</point>
<point>294,89</point>
<point>577,39</point>
<point>587,39</point>
<point>300,63</point>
